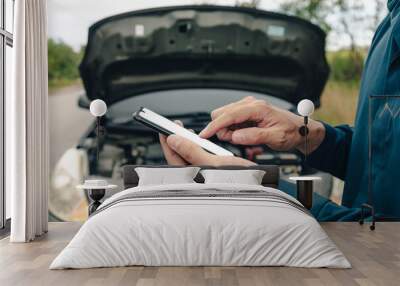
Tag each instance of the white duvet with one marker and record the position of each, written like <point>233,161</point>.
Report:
<point>201,231</point>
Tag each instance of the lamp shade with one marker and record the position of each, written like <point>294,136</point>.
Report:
<point>98,108</point>
<point>305,107</point>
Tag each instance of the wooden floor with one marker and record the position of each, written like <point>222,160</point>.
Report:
<point>375,257</point>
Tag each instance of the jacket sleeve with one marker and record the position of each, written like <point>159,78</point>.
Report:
<point>333,153</point>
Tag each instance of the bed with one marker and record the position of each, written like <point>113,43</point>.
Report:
<point>199,224</point>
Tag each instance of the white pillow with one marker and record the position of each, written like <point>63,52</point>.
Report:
<point>247,177</point>
<point>166,176</point>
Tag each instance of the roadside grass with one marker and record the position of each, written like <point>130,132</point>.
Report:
<point>338,103</point>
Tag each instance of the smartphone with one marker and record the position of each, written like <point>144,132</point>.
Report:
<point>167,127</point>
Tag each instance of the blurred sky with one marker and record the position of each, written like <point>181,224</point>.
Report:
<point>69,20</point>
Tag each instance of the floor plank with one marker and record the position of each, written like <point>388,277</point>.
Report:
<point>375,257</point>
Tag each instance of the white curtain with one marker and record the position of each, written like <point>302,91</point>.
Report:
<point>27,136</point>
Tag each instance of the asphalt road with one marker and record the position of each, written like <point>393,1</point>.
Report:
<point>67,121</point>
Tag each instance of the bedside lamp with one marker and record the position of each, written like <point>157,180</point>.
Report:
<point>305,184</point>
<point>98,108</point>
<point>97,188</point>
<point>305,108</point>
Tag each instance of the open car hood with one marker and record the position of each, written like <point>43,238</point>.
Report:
<point>204,47</point>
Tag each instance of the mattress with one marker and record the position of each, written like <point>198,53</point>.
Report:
<point>201,225</point>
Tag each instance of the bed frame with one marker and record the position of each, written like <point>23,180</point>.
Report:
<point>270,179</point>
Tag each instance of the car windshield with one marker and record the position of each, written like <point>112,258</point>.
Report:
<point>184,101</point>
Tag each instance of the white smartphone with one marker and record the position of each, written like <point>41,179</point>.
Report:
<point>167,127</point>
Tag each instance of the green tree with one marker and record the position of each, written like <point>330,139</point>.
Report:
<point>348,14</point>
<point>315,11</point>
<point>63,62</point>
<point>346,65</point>
<point>248,3</point>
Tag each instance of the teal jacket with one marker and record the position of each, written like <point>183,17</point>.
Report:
<point>344,151</point>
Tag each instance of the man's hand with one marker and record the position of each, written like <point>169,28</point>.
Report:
<point>275,127</point>
<point>179,151</point>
